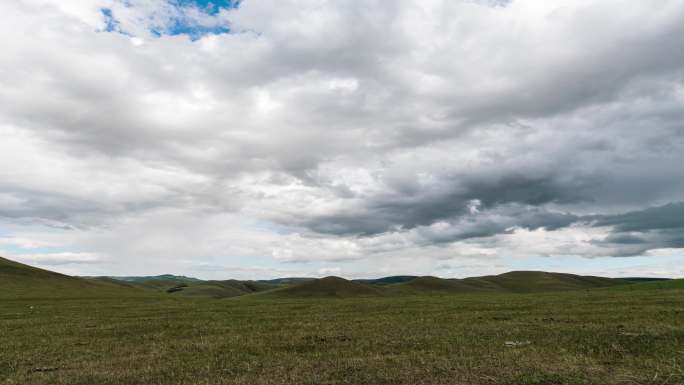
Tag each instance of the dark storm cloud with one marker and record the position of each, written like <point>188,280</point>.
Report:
<point>449,200</point>
<point>636,232</point>
<point>666,217</point>
<point>499,220</point>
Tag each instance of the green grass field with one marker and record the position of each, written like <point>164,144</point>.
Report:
<point>112,334</point>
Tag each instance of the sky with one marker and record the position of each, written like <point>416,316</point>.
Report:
<point>259,138</point>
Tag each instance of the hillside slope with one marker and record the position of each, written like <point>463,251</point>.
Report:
<point>653,285</point>
<point>222,289</point>
<point>512,282</point>
<point>334,287</point>
<point>538,281</point>
<point>429,284</point>
<point>387,280</point>
<point>192,287</point>
<point>22,281</point>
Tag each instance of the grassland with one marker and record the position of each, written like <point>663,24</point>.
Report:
<point>118,335</point>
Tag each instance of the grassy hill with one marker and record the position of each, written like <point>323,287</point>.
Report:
<point>22,281</point>
<point>645,279</point>
<point>537,281</point>
<point>222,289</point>
<point>653,285</point>
<point>191,287</point>
<point>286,281</point>
<point>423,285</point>
<point>207,290</point>
<point>387,280</point>
<point>326,287</point>
<point>513,282</point>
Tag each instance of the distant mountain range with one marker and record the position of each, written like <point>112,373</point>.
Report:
<point>18,280</point>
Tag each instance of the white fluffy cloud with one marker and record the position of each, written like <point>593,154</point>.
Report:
<point>325,136</point>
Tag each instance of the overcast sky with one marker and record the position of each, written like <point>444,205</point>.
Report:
<point>268,138</point>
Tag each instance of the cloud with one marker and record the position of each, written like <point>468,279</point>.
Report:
<point>666,217</point>
<point>637,232</point>
<point>144,18</point>
<point>56,259</point>
<point>318,132</point>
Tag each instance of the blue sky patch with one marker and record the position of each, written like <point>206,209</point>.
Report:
<point>194,31</point>
<point>211,7</point>
<point>111,24</point>
<point>183,24</point>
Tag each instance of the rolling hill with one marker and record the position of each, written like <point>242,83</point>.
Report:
<point>22,281</point>
<point>387,280</point>
<point>536,281</point>
<point>286,281</point>
<point>653,285</point>
<point>512,282</point>
<point>429,284</point>
<point>222,289</point>
<point>645,279</point>
<point>334,287</point>
<point>19,280</point>
<point>191,287</point>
